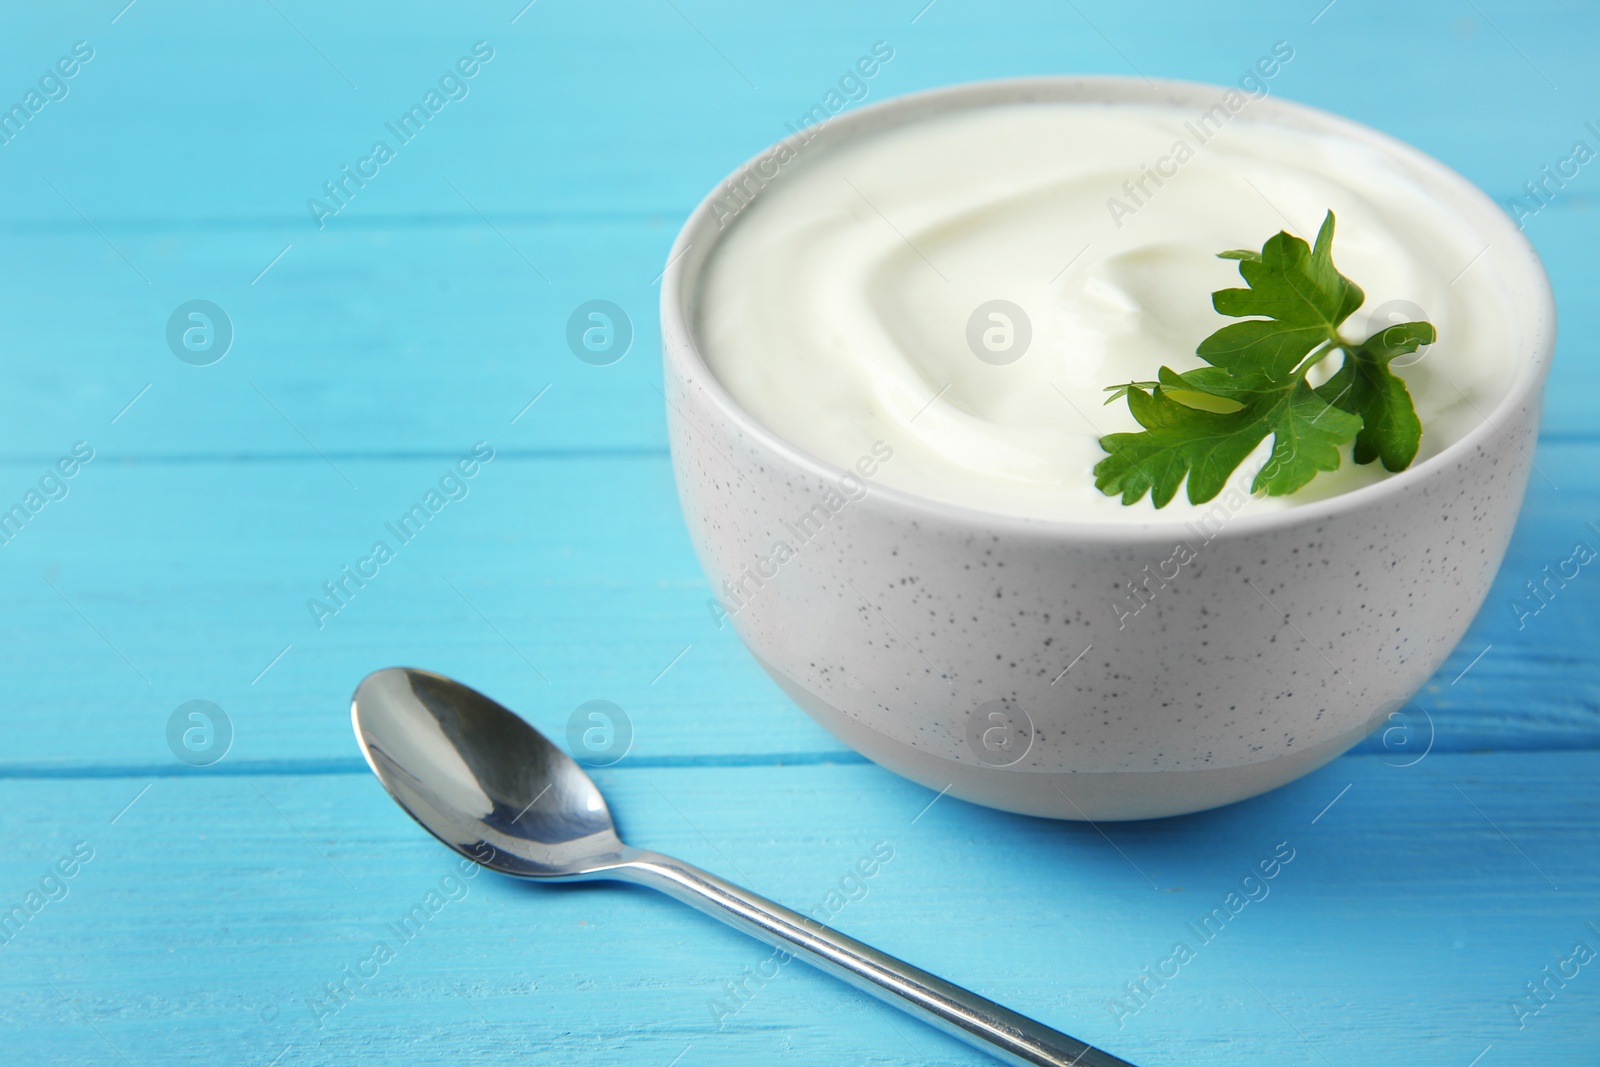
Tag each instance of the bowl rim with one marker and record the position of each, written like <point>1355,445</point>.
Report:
<point>679,340</point>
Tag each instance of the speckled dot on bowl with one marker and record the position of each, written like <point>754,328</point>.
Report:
<point>936,640</point>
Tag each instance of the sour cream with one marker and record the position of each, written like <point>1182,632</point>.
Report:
<point>965,286</point>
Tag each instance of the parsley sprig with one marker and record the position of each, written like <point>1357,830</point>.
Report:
<point>1202,423</point>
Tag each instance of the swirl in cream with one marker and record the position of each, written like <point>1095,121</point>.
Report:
<point>836,309</point>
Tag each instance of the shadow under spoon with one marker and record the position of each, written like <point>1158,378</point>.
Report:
<point>494,789</point>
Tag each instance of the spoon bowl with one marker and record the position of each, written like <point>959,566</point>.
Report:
<point>480,779</point>
<point>494,789</point>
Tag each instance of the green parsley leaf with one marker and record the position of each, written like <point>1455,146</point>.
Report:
<point>1178,440</point>
<point>1366,386</point>
<point>1306,434</point>
<point>1201,424</point>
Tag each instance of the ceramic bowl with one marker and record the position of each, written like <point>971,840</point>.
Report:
<point>936,640</point>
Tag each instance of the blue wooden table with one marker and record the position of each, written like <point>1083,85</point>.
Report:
<point>162,905</point>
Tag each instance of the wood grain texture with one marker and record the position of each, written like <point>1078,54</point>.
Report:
<point>423,318</point>
<point>1401,931</point>
<point>560,578</point>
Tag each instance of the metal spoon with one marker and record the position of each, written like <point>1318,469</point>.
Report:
<point>496,790</point>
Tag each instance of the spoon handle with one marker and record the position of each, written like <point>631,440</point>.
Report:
<point>999,1031</point>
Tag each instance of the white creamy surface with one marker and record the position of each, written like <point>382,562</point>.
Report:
<point>835,308</point>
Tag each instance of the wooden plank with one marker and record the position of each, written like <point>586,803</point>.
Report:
<point>400,340</point>
<point>422,298</point>
<point>1402,930</point>
<point>412,337</point>
<point>648,106</point>
<point>550,584</point>
<point>557,580</point>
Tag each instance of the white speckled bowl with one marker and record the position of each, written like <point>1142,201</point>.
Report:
<point>933,638</point>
